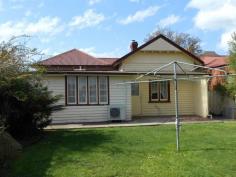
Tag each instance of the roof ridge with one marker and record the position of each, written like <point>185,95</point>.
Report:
<point>58,55</point>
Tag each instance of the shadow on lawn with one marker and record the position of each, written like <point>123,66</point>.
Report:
<point>59,148</point>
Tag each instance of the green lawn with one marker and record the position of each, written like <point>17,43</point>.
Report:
<point>206,150</point>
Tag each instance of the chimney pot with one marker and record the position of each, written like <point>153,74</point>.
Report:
<point>133,45</point>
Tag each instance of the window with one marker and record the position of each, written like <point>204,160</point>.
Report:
<point>135,89</point>
<point>103,90</point>
<point>87,90</point>
<point>71,89</point>
<point>164,90</point>
<point>92,84</point>
<point>82,82</point>
<point>159,91</point>
<point>154,91</point>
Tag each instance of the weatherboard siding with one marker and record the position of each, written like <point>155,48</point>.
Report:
<point>148,61</point>
<point>119,95</point>
<point>192,100</point>
<point>159,109</point>
<point>160,45</point>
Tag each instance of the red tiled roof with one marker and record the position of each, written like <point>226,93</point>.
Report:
<point>76,57</point>
<point>214,61</point>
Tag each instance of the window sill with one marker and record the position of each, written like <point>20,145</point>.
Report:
<point>87,105</point>
<point>167,101</point>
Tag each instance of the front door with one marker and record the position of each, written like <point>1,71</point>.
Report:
<point>136,101</point>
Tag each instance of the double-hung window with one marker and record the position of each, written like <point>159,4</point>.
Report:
<point>103,90</point>
<point>164,89</point>
<point>92,90</point>
<point>159,91</point>
<point>71,90</point>
<point>87,90</point>
<point>82,86</point>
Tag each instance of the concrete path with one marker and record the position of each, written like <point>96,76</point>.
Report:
<point>133,123</point>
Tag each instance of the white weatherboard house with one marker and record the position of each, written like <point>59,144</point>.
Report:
<point>90,92</point>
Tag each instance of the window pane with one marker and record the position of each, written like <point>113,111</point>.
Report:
<point>82,90</point>
<point>135,89</point>
<point>103,90</point>
<point>71,89</point>
<point>154,91</point>
<point>164,90</point>
<point>92,82</point>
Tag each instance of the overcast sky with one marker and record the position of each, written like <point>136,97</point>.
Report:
<point>106,27</point>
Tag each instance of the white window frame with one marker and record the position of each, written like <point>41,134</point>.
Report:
<point>107,91</point>
<point>75,88</point>
<point>86,90</point>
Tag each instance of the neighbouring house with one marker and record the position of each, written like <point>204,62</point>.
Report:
<point>91,89</point>
<point>219,103</point>
<point>214,60</point>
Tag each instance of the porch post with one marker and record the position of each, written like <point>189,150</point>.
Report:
<point>177,123</point>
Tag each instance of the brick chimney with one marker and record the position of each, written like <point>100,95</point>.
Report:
<point>133,45</point>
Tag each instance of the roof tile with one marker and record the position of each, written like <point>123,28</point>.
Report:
<point>77,57</point>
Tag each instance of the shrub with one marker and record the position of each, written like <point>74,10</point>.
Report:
<point>26,106</point>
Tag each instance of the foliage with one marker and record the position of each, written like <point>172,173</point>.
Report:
<point>230,84</point>
<point>207,149</point>
<point>185,40</point>
<point>26,107</point>
<point>221,89</point>
<point>26,104</point>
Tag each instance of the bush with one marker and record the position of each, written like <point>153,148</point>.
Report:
<point>26,105</point>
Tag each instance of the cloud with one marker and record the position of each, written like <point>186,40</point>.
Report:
<point>216,15</point>
<point>140,15</point>
<point>168,21</point>
<point>225,39</point>
<point>44,26</point>
<point>92,2</point>
<point>89,19</point>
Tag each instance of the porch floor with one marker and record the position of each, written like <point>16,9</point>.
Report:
<point>139,121</point>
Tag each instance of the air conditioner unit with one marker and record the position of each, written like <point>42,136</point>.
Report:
<point>116,112</point>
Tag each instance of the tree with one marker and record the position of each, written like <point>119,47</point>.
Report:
<point>26,104</point>
<point>231,81</point>
<point>185,40</point>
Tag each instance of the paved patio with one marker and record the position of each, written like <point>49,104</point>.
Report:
<point>146,121</point>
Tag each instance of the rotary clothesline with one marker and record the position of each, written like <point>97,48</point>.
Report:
<point>175,78</point>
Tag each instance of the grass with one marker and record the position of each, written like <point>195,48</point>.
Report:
<point>206,150</point>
